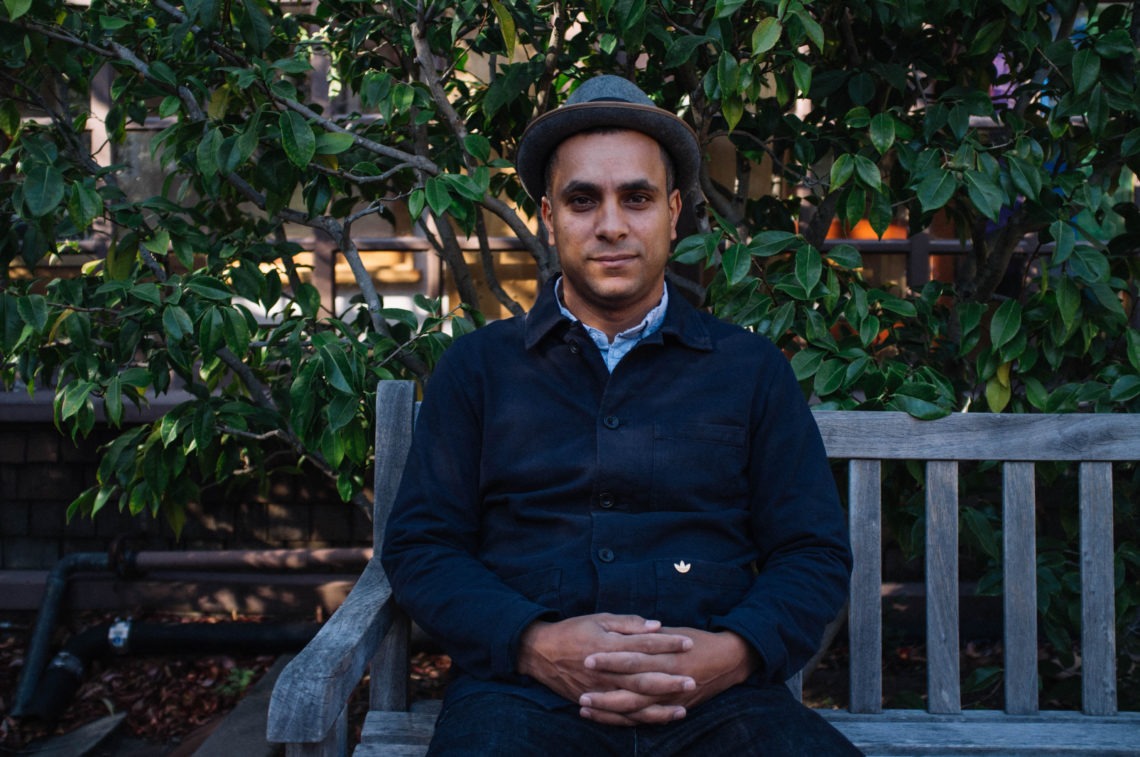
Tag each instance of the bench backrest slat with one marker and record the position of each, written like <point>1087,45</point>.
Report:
<point>1017,441</point>
<point>1098,612</point>
<point>942,645</point>
<point>866,603</point>
<point>1019,587</point>
<point>978,436</point>
<point>395,416</point>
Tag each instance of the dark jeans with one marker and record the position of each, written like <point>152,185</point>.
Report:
<point>765,722</point>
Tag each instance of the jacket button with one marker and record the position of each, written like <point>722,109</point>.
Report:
<point>574,349</point>
<point>606,500</point>
<point>611,421</point>
<point>606,555</point>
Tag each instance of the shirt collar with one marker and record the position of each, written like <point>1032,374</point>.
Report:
<point>648,325</point>
<point>682,321</point>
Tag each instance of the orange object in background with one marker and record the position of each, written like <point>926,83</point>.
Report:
<point>863,230</point>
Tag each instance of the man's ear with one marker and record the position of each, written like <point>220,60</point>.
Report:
<point>547,213</point>
<point>674,212</point>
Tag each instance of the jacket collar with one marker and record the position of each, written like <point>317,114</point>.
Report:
<point>682,321</point>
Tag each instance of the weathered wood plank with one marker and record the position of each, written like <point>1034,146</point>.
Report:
<point>1019,570</point>
<point>388,684</point>
<point>398,728</point>
<point>943,665</point>
<point>1098,613</point>
<point>980,436</point>
<point>918,733</point>
<point>865,613</point>
<point>314,687</point>
<point>395,415</point>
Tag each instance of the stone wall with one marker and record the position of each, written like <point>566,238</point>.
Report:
<point>42,471</point>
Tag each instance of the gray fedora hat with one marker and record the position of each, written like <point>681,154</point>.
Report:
<point>606,101</point>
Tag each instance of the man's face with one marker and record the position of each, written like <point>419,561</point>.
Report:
<point>612,217</point>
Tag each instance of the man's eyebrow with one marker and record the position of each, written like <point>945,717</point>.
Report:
<point>589,187</point>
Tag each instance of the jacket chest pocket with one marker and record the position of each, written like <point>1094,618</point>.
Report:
<point>690,593</point>
<point>696,465</point>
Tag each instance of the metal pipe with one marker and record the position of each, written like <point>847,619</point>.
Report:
<point>251,559</point>
<point>40,640</point>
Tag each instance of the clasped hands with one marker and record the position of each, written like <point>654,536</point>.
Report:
<point>627,670</point>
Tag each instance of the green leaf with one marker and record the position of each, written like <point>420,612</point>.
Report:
<point>917,408</point>
<point>845,256</point>
<point>17,8</point>
<point>208,152</point>
<point>506,25</point>
<point>725,8</point>
<point>416,202</point>
<point>830,377</point>
<point>121,255</point>
<point>210,334</point>
<point>936,189</point>
<point>1025,177</point>
<point>697,248</point>
<point>1064,239</point>
<point>682,49</point>
<point>209,288</point>
<point>1005,324</point>
<point>337,369</point>
<point>806,362</point>
<point>766,35</point>
<point>176,323</point>
<point>33,310</point>
<point>1068,302</point>
<point>43,189</point>
<point>113,400</point>
<point>334,142</point>
<point>737,261</point>
<point>297,138</point>
<point>1125,388</point>
<point>769,243</point>
<point>1086,70</point>
<point>811,27</point>
<point>842,170</point>
<point>84,205</point>
<point>1089,264</point>
<point>882,132</point>
<point>438,197</point>
<point>985,194</point>
<point>235,331</point>
<point>1134,349</point>
<point>802,76</point>
<point>868,172</point>
<point>808,268</point>
<point>732,106</point>
<point>477,146</point>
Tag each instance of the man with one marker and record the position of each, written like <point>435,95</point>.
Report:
<point>617,516</point>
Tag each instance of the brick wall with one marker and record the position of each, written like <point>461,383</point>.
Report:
<point>42,471</point>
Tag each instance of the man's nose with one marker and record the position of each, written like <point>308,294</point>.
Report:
<point>612,224</point>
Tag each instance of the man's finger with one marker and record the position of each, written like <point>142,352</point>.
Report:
<point>653,714</point>
<point>631,662</point>
<point>627,624</point>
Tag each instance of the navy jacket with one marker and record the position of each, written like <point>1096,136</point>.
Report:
<point>689,486</point>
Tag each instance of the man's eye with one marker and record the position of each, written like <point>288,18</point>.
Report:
<point>638,199</point>
<point>581,202</point>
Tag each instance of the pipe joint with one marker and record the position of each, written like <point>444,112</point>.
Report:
<point>119,637</point>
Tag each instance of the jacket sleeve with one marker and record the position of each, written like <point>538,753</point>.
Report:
<point>800,529</point>
<point>432,536</point>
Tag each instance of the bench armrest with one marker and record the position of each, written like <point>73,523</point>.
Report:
<point>314,688</point>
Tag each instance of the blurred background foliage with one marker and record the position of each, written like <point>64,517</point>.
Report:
<point>1012,127</point>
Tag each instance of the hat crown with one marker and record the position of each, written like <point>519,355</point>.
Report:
<point>608,88</point>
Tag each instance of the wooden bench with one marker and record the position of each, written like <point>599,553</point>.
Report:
<point>308,707</point>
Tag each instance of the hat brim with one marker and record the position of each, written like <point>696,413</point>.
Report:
<point>546,132</point>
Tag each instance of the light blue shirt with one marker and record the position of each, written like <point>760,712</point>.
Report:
<point>613,352</point>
